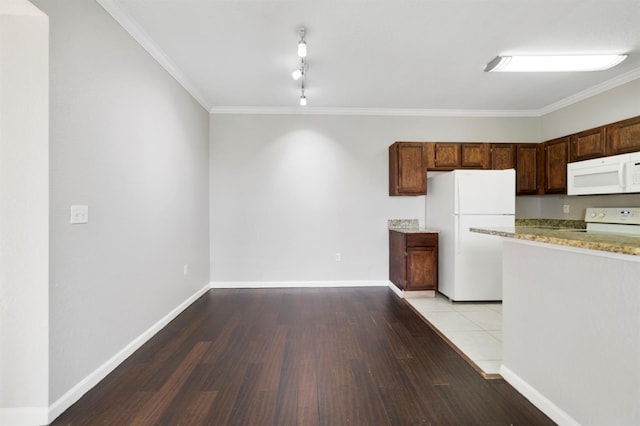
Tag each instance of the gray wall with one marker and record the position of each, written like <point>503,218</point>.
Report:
<point>127,140</point>
<point>288,192</point>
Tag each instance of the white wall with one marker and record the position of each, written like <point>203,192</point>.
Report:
<point>24,207</point>
<point>127,140</point>
<point>290,191</point>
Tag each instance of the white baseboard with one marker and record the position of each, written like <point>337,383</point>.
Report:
<point>545,405</point>
<point>396,290</point>
<point>75,393</point>
<point>296,284</point>
<point>24,416</point>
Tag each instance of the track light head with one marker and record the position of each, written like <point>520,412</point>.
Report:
<point>302,44</point>
<point>302,49</point>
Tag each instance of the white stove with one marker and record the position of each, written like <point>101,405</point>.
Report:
<point>613,220</point>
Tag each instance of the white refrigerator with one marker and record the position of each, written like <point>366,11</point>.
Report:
<point>470,264</point>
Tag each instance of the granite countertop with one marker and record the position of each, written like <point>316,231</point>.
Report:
<point>408,226</point>
<point>565,233</point>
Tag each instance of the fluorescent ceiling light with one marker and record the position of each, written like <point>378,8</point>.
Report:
<point>549,63</point>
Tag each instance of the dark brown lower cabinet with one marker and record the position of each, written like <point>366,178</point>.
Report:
<point>413,260</point>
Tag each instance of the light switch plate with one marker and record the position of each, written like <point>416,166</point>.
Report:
<point>79,214</point>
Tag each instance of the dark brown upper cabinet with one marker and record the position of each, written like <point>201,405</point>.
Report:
<point>502,156</point>
<point>540,168</point>
<point>555,159</point>
<point>455,155</point>
<point>407,169</point>
<point>588,144</point>
<point>527,169</point>
<point>442,156</point>
<point>623,136</point>
<point>474,155</point>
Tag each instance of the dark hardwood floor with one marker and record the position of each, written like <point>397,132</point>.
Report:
<point>337,356</point>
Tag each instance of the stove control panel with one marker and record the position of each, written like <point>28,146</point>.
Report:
<point>621,215</point>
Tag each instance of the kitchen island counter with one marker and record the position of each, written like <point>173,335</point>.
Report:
<point>571,335</point>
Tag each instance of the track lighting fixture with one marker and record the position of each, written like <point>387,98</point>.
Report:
<point>301,72</point>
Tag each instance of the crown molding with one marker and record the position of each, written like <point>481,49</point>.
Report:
<point>590,92</point>
<point>394,112</point>
<point>114,9</point>
<point>414,112</point>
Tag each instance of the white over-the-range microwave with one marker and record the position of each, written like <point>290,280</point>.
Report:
<point>608,175</point>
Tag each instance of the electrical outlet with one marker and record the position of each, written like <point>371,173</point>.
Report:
<point>338,257</point>
<point>185,269</point>
<point>566,208</point>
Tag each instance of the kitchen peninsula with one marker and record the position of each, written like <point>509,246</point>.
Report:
<point>571,328</point>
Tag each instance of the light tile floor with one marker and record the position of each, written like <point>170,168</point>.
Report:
<point>475,328</point>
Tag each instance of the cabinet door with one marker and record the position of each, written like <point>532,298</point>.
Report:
<point>527,169</point>
<point>397,258</point>
<point>588,144</point>
<point>556,157</point>
<point>422,268</point>
<point>503,156</point>
<point>623,136</point>
<point>442,156</point>
<point>474,155</point>
<point>407,172</point>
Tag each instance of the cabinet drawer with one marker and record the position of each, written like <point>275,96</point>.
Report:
<point>422,240</point>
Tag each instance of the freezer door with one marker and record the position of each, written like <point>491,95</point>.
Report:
<point>485,191</point>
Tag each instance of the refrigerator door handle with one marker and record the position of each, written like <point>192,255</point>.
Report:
<point>458,235</point>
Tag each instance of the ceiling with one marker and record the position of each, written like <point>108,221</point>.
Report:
<point>409,57</point>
